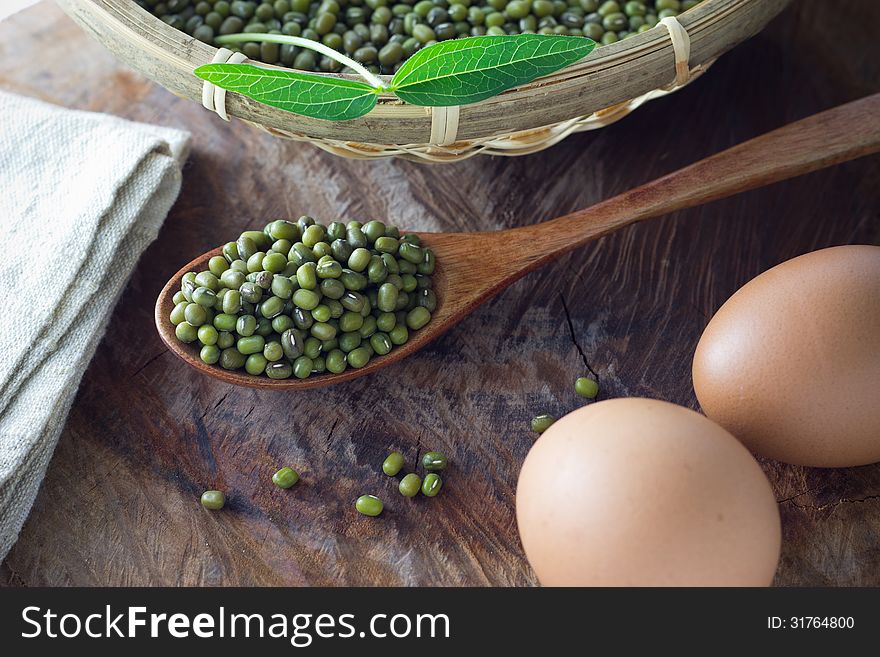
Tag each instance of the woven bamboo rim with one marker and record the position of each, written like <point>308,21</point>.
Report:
<point>602,88</point>
<point>524,142</point>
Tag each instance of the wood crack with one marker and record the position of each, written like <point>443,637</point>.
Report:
<point>149,362</point>
<point>214,407</point>
<point>574,338</point>
<point>327,441</point>
<point>106,476</point>
<point>831,505</point>
<point>419,449</point>
<point>796,495</point>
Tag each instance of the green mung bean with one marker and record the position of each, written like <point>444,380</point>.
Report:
<point>274,262</point>
<point>273,351</point>
<point>359,357</point>
<point>302,367</point>
<point>232,359</point>
<point>540,423</point>
<point>586,387</point>
<point>312,347</point>
<point>431,484</point>
<point>217,265</point>
<point>213,499</point>
<point>272,307</point>
<point>251,344</point>
<point>369,505</point>
<point>302,319</point>
<point>210,354</point>
<point>336,361</point>
<point>177,314</point>
<point>208,334</point>
<point>359,259</point>
<point>392,464</point>
<point>352,301</point>
<point>285,477</point>
<point>418,317</point>
<point>279,370</point>
<point>246,325</point>
<point>186,332</point>
<point>208,280</point>
<point>195,314</point>
<point>306,299</point>
<point>398,335</point>
<point>433,461</point>
<point>264,327</point>
<point>381,343</point>
<point>410,485</point>
<point>225,339</point>
<point>232,279</point>
<point>385,321</point>
<point>368,327</point>
<point>255,364</point>
<point>225,321</point>
<point>322,313</point>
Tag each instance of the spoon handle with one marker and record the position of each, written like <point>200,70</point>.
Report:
<point>836,135</point>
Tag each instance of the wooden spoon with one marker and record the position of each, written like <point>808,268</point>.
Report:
<point>473,267</point>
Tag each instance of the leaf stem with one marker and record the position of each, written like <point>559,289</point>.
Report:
<point>304,43</point>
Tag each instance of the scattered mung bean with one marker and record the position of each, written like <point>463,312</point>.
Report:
<point>586,387</point>
<point>410,485</point>
<point>540,423</point>
<point>369,505</point>
<point>393,464</point>
<point>431,484</point>
<point>433,461</point>
<point>285,477</point>
<point>213,499</point>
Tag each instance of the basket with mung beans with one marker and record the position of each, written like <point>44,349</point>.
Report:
<point>382,34</point>
<point>301,298</point>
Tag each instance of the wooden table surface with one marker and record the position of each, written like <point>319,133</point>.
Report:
<point>147,435</point>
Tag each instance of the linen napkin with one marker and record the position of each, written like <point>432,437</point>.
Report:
<point>81,197</point>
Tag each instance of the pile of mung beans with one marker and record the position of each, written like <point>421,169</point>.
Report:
<point>300,298</point>
<point>382,34</point>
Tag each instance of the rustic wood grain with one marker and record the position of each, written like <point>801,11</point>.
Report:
<point>618,73</point>
<point>147,433</point>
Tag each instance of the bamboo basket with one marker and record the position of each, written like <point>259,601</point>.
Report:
<point>602,88</point>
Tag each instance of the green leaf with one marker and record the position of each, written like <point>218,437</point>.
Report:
<point>469,70</point>
<point>317,96</point>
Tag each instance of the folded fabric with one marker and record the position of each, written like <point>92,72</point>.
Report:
<point>81,196</point>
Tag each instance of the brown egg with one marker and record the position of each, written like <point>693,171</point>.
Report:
<point>790,364</point>
<point>638,492</point>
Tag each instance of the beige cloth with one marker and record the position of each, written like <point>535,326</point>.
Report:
<point>81,196</point>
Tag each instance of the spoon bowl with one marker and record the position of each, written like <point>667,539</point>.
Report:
<point>473,267</point>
